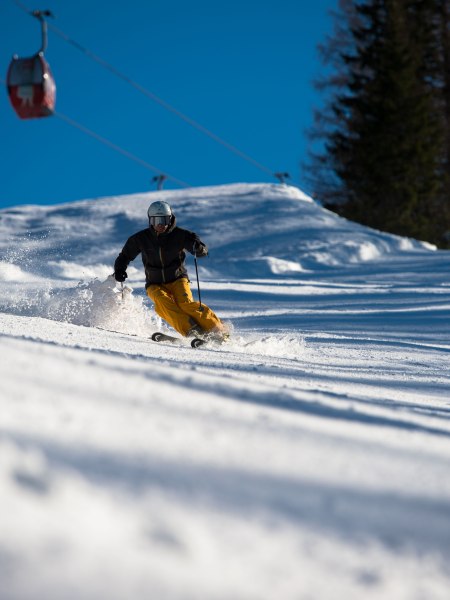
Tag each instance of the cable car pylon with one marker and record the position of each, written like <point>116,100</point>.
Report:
<point>31,87</point>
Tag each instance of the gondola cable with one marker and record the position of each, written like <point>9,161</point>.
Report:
<point>118,149</point>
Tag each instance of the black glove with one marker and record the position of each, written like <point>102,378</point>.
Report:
<point>120,276</point>
<point>199,249</point>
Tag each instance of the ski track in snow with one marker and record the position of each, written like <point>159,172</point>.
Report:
<point>307,458</point>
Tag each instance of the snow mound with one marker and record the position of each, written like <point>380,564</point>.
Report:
<point>254,231</point>
<point>276,227</point>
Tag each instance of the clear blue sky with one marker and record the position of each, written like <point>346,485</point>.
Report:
<point>242,68</point>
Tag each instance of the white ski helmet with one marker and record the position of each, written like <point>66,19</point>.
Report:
<point>159,213</point>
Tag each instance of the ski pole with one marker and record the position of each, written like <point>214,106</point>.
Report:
<point>198,282</point>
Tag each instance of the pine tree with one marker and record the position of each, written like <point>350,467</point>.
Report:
<point>384,133</point>
<point>443,81</point>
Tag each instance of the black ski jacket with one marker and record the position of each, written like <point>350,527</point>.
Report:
<point>163,255</point>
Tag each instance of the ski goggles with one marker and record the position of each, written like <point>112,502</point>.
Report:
<point>164,220</point>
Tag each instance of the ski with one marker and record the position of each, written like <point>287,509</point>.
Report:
<point>163,337</point>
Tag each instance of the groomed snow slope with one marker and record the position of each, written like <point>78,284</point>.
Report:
<point>309,458</point>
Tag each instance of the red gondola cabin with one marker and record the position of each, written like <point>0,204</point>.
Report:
<point>31,87</point>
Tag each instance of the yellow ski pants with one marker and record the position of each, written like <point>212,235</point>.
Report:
<point>175,304</point>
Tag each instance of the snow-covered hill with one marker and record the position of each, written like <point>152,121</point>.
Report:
<point>309,458</point>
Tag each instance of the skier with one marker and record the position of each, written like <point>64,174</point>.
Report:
<point>162,246</point>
